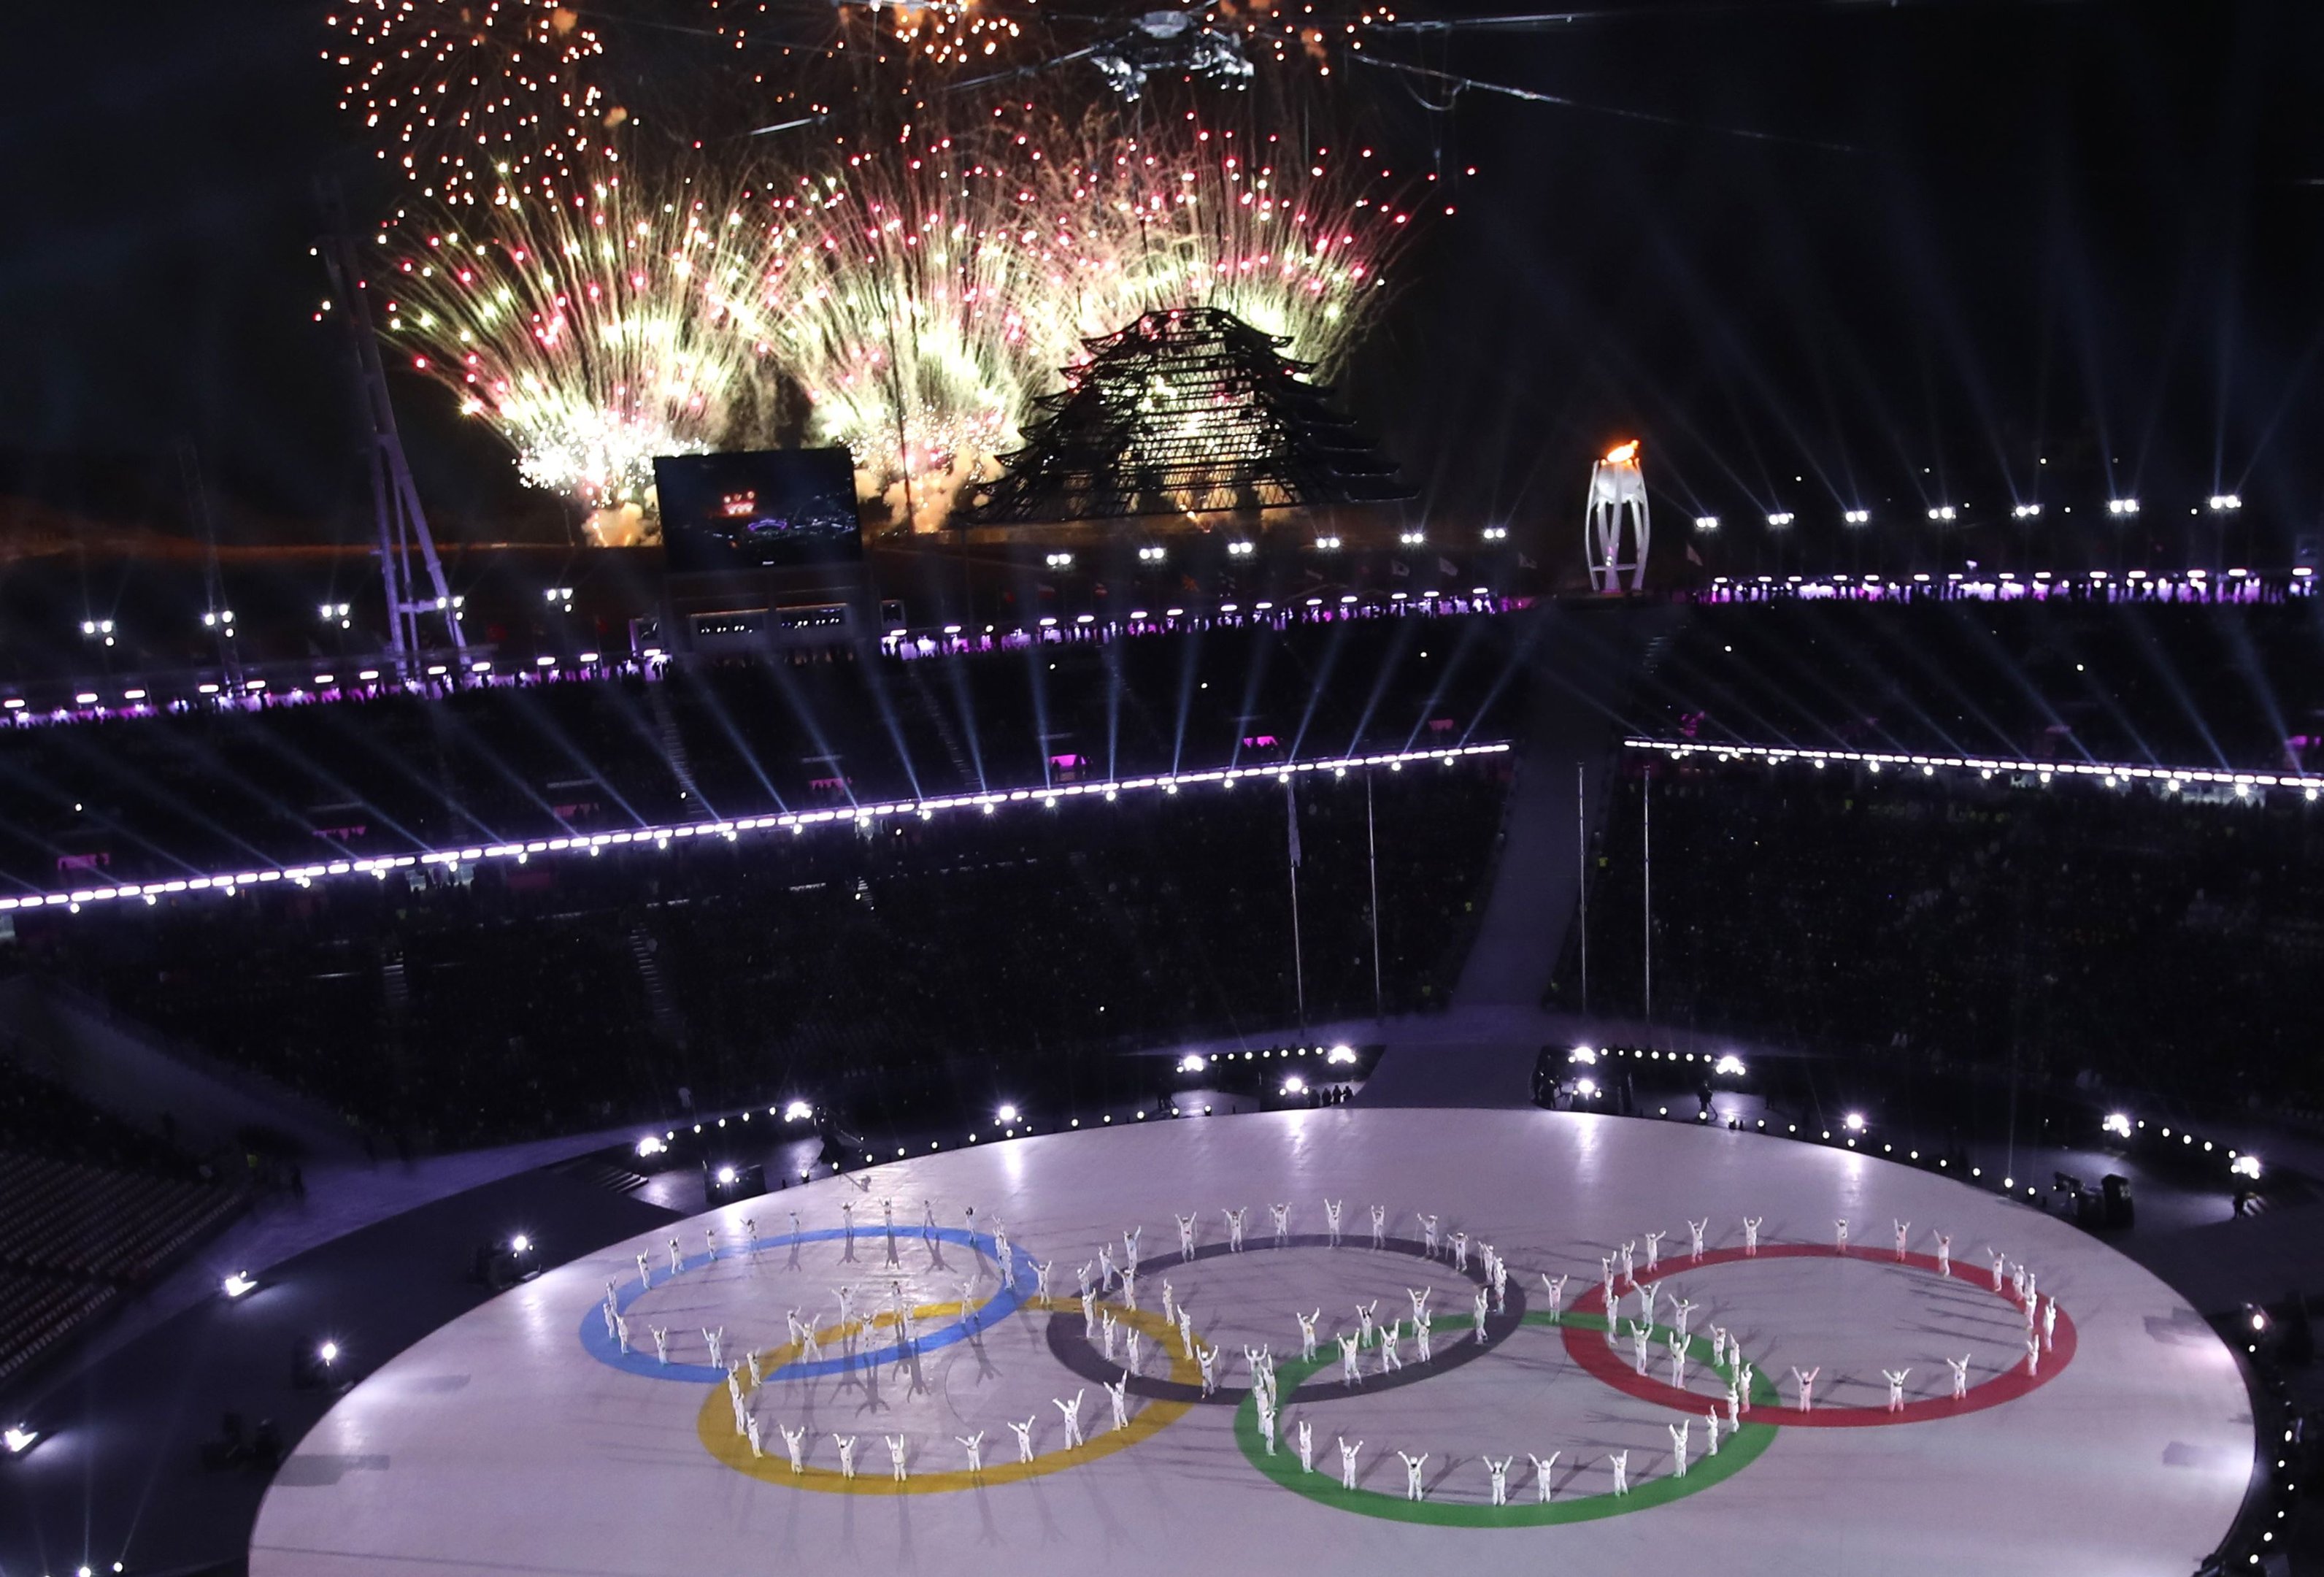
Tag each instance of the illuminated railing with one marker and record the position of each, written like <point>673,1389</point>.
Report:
<point>2113,774</point>
<point>796,822</point>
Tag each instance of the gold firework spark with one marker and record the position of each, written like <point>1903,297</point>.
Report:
<point>477,102</point>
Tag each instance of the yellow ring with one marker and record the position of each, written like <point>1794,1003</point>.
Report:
<point>716,1423</point>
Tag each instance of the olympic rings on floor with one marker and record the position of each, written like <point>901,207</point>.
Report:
<point>1741,1449</point>
<point>1069,1343</point>
<point>715,1425</point>
<point>2010,1383</point>
<point>605,1347</point>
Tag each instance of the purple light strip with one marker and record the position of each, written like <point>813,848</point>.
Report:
<point>2135,585</point>
<point>796,821</point>
<point>194,693</point>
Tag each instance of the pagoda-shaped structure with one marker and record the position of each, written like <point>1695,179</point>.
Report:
<point>1185,412</point>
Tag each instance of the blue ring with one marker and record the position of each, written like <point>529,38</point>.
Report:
<point>607,1349</point>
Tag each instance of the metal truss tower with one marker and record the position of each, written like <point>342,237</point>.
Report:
<point>396,500</point>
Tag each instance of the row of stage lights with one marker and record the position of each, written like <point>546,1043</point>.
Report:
<point>2112,774</point>
<point>1945,514</point>
<point>1245,547</point>
<point>212,690</point>
<point>19,710</point>
<point>1479,599</point>
<point>1007,1116</point>
<point>2241,1166</point>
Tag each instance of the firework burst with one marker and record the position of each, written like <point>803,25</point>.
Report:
<point>920,298</point>
<point>915,297</point>
<point>478,102</point>
<point>592,334</point>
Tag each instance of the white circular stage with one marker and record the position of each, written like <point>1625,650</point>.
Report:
<point>524,1437</point>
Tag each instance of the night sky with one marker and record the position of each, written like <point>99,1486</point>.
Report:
<point>2087,232</point>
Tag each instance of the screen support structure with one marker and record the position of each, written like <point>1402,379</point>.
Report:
<point>395,499</point>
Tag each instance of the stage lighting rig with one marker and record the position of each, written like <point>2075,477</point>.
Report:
<point>1166,42</point>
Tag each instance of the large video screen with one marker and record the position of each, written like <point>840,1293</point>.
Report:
<point>773,509</point>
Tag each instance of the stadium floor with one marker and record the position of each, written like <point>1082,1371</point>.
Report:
<point>521,1436</point>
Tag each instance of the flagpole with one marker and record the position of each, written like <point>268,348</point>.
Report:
<point>1582,869</point>
<point>1371,848</point>
<point>1646,876</point>
<point>1298,967</point>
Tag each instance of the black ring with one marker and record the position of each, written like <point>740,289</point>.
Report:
<point>1069,1343</point>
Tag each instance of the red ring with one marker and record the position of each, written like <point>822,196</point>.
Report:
<point>1589,1349</point>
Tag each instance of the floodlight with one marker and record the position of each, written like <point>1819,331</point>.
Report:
<point>239,1284</point>
<point>1007,1113</point>
<point>1341,1056</point>
<point>798,1110</point>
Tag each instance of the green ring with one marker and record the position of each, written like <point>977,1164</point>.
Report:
<point>1739,1451</point>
